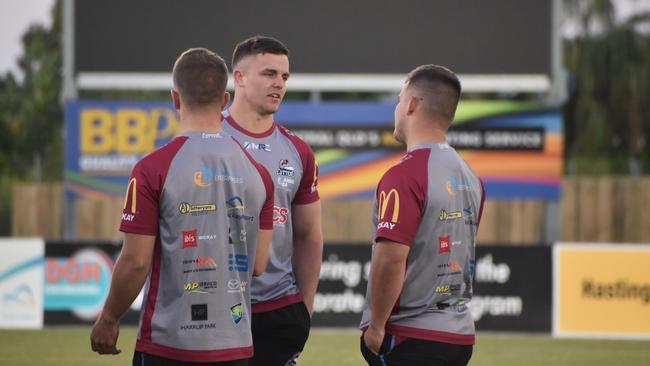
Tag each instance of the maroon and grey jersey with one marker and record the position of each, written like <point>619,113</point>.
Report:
<point>204,199</point>
<point>292,166</point>
<point>432,202</point>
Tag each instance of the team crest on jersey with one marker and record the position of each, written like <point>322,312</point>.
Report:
<point>285,170</point>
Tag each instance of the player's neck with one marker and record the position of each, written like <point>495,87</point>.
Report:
<point>428,136</point>
<point>249,119</point>
<point>200,121</point>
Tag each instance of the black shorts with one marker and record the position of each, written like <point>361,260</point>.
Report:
<point>280,335</point>
<point>417,352</point>
<point>145,359</point>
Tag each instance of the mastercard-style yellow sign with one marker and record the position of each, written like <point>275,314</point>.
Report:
<point>601,290</point>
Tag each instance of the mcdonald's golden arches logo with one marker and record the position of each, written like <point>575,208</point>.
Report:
<point>384,199</point>
<point>132,187</point>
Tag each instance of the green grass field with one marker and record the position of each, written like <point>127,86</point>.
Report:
<point>71,347</point>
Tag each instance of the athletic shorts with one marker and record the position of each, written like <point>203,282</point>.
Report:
<point>416,352</point>
<point>145,359</point>
<point>279,335</point>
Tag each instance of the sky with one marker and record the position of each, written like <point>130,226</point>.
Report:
<point>17,15</point>
<point>15,18</point>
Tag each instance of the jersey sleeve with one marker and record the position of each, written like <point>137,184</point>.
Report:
<point>266,213</point>
<point>483,197</point>
<point>308,188</point>
<point>141,204</point>
<point>400,206</point>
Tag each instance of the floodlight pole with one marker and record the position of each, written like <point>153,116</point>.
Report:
<point>69,93</point>
<point>558,92</point>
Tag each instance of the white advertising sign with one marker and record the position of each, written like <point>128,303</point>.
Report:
<point>21,283</point>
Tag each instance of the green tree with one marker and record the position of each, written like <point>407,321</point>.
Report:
<point>31,117</point>
<point>607,115</point>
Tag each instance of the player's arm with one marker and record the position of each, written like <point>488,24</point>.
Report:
<point>388,269</point>
<point>307,249</point>
<point>262,252</point>
<point>129,274</point>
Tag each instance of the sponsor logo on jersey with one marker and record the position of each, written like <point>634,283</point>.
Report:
<point>255,146</point>
<point>242,236</point>
<point>385,225</point>
<point>385,200</point>
<point>447,289</point>
<point>453,267</point>
<point>446,216</point>
<point>205,176</point>
<point>236,286</point>
<point>285,182</point>
<point>199,312</point>
<point>237,262</point>
<point>445,246</point>
<point>190,239</point>
<point>131,192</point>
<point>237,313</point>
<point>208,237</point>
<point>455,185</point>
<point>203,287</point>
<point>211,135</point>
<point>235,206</point>
<point>280,215</point>
<point>469,217</point>
<point>200,264</point>
<point>198,326</point>
<point>284,169</point>
<point>314,184</point>
<point>201,209</point>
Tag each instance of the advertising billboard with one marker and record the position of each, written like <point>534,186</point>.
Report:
<point>512,287</point>
<point>21,283</point>
<point>601,290</point>
<point>353,144</point>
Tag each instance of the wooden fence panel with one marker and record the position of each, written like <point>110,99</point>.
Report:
<point>595,209</point>
<point>37,210</point>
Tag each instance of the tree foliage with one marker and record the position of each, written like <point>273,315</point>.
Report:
<point>31,116</point>
<point>608,114</point>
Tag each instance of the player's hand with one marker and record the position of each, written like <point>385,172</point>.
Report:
<point>103,338</point>
<point>373,338</point>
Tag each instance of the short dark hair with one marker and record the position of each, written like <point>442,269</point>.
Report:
<point>439,87</point>
<point>258,45</point>
<point>200,77</point>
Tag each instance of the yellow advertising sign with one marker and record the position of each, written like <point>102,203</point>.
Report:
<point>601,290</point>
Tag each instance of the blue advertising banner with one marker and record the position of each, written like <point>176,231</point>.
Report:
<point>353,144</point>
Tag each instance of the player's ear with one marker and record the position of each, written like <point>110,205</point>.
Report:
<point>238,77</point>
<point>226,99</point>
<point>176,99</point>
<point>413,103</point>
